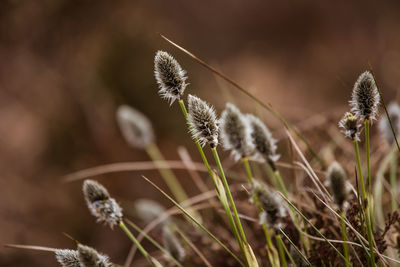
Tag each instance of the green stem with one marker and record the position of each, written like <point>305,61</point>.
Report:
<point>360,174</point>
<point>393,179</point>
<point>228,191</point>
<point>246,165</point>
<point>136,242</point>
<point>368,155</point>
<point>280,244</point>
<point>344,236</point>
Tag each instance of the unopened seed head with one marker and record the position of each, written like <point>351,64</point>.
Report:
<point>384,125</point>
<point>203,122</point>
<point>235,132</point>
<point>272,205</point>
<point>135,127</point>
<point>170,76</point>
<point>365,97</point>
<point>149,210</point>
<point>67,258</point>
<point>337,178</point>
<point>350,126</point>
<point>89,257</point>
<point>263,142</point>
<point>100,204</point>
<point>172,244</point>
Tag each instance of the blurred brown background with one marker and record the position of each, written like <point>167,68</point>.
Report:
<point>65,65</point>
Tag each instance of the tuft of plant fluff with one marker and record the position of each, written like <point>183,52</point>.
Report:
<point>67,258</point>
<point>263,142</point>
<point>235,132</point>
<point>100,204</point>
<point>365,97</point>
<point>135,127</point>
<point>89,257</point>
<point>170,77</point>
<point>384,125</point>
<point>203,122</point>
<point>350,126</point>
<point>337,182</point>
<point>172,244</point>
<point>271,203</point>
<point>149,210</point>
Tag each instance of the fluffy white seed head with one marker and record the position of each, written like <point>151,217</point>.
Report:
<point>135,127</point>
<point>149,210</point>
<point>100,204</point>
<point>203,122</point>
<point>235,132</point>
<point>170,77</point>
<point>365,97</point>
<point>337,183</point>
<point>263,142</point>
<point>272,205</point>
<point>67,258</point>
<point>89,257</point>
<point>172,244</point>
<point>384,125</point>
<point>350,126</point>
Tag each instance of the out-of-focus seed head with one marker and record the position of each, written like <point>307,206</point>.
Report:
<point>384,125</point>
<point>89,257</point>
<point>365,97</point>
<point>235,132</point>
<point>203,122</point>
<point>350,126</point>
<point>149,210</point>
<point>272,205</point>
<point>337,181</point>
<point>100,204</point>
<point>172,244</point>
<point>263,142</point>
<point>135,127</point>
<point>170,76</point>
<point>67,258</point>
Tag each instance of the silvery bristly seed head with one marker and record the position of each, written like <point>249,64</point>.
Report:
<point>384,125</point>
<point>100,204</point>
<point>350,126</point>
<point>203,122</point>
<point>235,132</point>
<point>272,205</point>
<point>365,97</point>
<point>264,143</point>
<point>337,181</point>
<point>67,258</point>
<point>89,257</point>
<point>170,76</point>
<point>135,127</point>
<point>172,244</point>
<point>149,210</point>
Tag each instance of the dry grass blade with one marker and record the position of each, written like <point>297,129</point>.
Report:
<point>254,98</point>
<point>195,249</point>
<point>29,247</point>
<point>130,166</point>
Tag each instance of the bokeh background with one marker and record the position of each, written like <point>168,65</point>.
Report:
<point>65,66</point>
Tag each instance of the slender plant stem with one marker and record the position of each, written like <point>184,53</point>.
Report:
<point>228,191</point>
<point>136,242</point>
<point>360,174</point>
<point>344,236</point>
<point>368,155</point>
<point>246,165</point>
<point>393,178</point>
<point>211,173</point>
<point>280,245</point>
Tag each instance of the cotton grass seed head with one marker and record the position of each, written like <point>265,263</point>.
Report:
<point>272,205</point>
<point>170,77</point>
<point>100,204</point>
<point>149,210</point>
<point>384,125</point>
<point>135,127</point>
<point>365,97</point>
<point>172,244</point>
<point>350,126</point>
<point>337,182</point>
<point>262,140</point>
<point>67,258</point>
<point>203,122</point>
<point>235,132</point>
<point>89,257</point>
